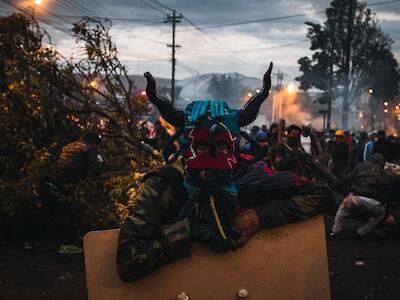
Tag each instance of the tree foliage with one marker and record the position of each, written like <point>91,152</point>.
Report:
<point>48,100</point>
<point>351,54</point>
<point>32,120</point>
<point>225,87</point>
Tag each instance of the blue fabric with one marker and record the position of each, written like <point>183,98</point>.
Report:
<point>194,191</point>
<point>203,113</point>
<point>261,136</point>
<point>369,147</point>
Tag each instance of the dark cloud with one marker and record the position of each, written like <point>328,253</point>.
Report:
<point>138,44</point>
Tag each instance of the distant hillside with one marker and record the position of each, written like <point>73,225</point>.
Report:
<point>196,87</point>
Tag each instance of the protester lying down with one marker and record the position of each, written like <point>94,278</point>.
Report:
<point>219,197</point>
<point>369,190</point>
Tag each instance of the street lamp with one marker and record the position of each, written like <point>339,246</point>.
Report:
<point>93,84</point>
<point>370,91</point>
<point>386,103</point>
<point>38,2</point>
<point>385,110</point>
<point>249,94</point>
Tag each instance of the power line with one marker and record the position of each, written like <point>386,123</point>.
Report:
<point>280,17</point>
<point>40,19</point>
<point>112,19</point>
<point>151,6</point>
<point>273,47</point>
<point>257,21</point>
<point>80,7</point>
<point>248,49</point>
<point>217,41</point>
<point>69,8</point>
<point>161,4</point>
<point>103,7</point>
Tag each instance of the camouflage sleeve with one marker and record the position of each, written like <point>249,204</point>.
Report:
<point>307,203</point>
<point>149,238</point>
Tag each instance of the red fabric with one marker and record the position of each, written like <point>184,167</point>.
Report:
<point>203,160</point>
<point>246,156</point>
<point>301,181</point>
<point>268,170</point>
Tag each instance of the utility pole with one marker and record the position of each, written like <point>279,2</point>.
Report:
<point>276,98</point>
<point>173,18</point>
<point>279,79</point>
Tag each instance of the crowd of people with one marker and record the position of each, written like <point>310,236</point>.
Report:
<point>362,167</point>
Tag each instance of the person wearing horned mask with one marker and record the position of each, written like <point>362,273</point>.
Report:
<point>219,196</point>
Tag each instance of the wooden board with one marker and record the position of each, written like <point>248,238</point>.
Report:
<point>289,262</point>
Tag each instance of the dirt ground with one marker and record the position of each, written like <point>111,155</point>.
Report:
<point>359,269</point>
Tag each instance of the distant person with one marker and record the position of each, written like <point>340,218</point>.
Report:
<point>369,146</point>
<point>360,142</point>
<point>76,161</point>
<point>264,128</point>
<point>339,154</point>
<point>254,130</point>
<point>283,154</point>
<point>261,139</point>
<point>348,139</point>
<point>381,144</point>
<point>273,134</point>
<point>308,140</point>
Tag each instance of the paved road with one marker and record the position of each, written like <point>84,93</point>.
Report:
<point>366,269</point>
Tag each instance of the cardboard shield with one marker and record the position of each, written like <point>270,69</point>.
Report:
<point>288,262</point>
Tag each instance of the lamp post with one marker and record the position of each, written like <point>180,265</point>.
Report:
<point>35,3</point>
<point>371,92</point>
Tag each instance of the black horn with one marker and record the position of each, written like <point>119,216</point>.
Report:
<point>249,112</point>
<point>167,110</point>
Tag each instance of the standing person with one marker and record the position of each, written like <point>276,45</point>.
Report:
<point>273,134</point>
<point>369,146</point>
<point>262,141</point>
<point>254,130</point>
<point>348,139</point>
<point>359,148</point>
<point>76,161</point>
<point>308,140</point>
<point>381,144</point>
<point>264,128</point>
<point>339,154</point>
<point>283,159</point>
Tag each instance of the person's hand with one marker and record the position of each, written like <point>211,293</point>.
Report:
<point>248,223</point>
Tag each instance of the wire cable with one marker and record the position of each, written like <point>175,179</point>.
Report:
<point>281,17</point>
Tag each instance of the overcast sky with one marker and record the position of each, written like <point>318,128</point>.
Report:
<point>245,48</point>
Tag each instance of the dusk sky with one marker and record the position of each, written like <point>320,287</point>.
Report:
<point>141,36</point>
